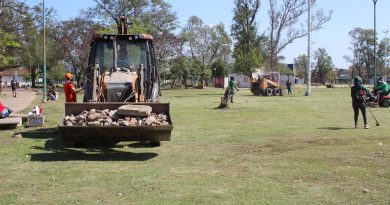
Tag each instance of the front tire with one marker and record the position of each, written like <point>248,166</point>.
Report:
<point>386,103</point>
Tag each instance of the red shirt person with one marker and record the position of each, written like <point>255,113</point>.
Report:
<point>4,111</point>
<point>69,89</point>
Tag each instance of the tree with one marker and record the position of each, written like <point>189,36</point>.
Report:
<point>382,57</point>
<point>146,16</point>
<point>7,41</point>
<point>283,22</point>
<point>362,47</point>
<point>247,49</point>
<point>324,66</point>
<point>10,31</point>
<point>73,38</point>
<point>205,44</point>
<point>300,64</point>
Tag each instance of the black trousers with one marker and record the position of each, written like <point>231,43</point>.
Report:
<point>359,105</point>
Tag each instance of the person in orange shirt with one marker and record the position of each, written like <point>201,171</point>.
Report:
<point>69,89</point>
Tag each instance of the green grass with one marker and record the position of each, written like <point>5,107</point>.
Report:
<point>262,150</point>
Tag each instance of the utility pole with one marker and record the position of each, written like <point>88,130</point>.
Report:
<point>387,59</point>
<point>375,40</point>
<point>44,52</point>
<point>308,82</point>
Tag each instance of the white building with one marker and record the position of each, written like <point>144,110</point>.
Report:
<point>20,74</point>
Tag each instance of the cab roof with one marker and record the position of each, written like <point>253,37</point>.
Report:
<point>97,37</point>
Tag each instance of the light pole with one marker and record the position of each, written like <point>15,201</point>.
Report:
<point>375,40</point>
<point>387,53</point>
<point>37,58</point>
<point>44,52</point>
<point>308,91</point>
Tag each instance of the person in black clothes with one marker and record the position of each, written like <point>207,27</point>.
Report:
<point>288,85</point>
<point>14,84</point>
<point>358,94</point>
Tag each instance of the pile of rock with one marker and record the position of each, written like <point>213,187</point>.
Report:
<point>127,115</point>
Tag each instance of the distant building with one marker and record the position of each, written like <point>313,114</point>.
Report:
<point>343,76</point>
<point>20,74</point>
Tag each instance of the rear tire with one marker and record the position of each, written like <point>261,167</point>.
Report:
<point>256,92</point>
<point>268,92</point>
<point>276,91</point>
<point>255,88</point>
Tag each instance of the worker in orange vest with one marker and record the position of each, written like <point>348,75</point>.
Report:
<point>69,89</point>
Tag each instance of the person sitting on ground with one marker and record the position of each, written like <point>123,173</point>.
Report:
<point>359,93</point>
<point>381,88</point>
<point>232,86</point>
<point>51,93</point>
<point>4,111</point>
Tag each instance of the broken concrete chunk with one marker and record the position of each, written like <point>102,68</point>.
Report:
<point>133,122</point>
<point>135,110</point>
<point>94,116</point>
<point>131,115</point>
<point>94,124</point>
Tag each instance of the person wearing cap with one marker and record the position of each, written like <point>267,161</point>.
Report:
<point>359,93</point>
<point>232,86</point>
<point>69,89</point>
<point>381,88</point>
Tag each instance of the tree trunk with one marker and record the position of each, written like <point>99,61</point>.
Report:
<point>173,83</point>
<point>33,77</point>
<point>201,82</point>
<point>185,82</point>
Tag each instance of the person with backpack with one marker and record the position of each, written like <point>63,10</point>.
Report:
<point>359,93</point>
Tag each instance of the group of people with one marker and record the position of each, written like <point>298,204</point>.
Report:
<point>360,94</point>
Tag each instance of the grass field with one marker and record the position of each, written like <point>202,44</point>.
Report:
<point>263,150</point>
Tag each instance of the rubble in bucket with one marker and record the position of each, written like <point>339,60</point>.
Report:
<point>127,115</point>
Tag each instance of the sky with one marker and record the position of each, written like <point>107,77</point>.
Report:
<point>347,14</point>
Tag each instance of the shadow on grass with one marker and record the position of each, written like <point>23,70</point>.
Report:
<point>334,128</point>
<point>55,149</point>
<point>42,133</point>
<point>140,145</point>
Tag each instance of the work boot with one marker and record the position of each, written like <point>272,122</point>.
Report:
<point>366,126</point>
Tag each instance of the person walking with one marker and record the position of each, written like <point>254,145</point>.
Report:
<point>288,85</point>
<point>14,84</point>
<point>359,93</point>
<point>232,86</point>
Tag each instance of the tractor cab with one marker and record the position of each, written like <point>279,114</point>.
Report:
<point>122,68</point>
